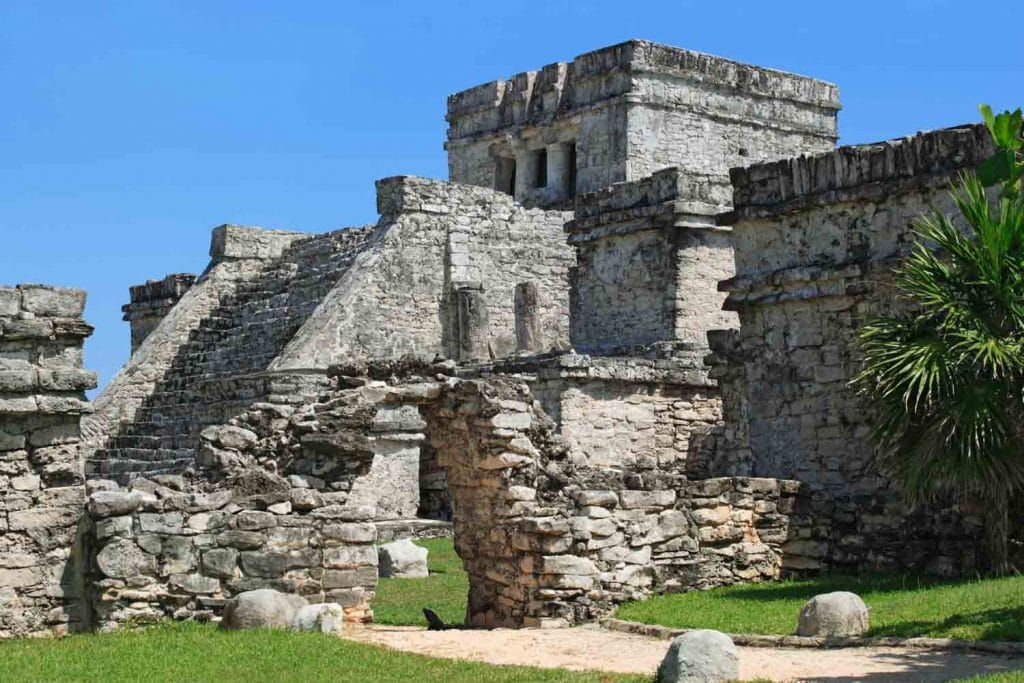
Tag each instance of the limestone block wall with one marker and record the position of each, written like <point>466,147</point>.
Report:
<point>162,552</point>
<point>815,239</point>
<point>630,413</point>
<point>151,301</point>
<point>705,114</point>
<point>434,240</point>
<point>649,257</point>
<point>629,110</point>
<point>42,486</point>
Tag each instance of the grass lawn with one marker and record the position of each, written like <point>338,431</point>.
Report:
<point>401,601</point>
<point>201,652</point>
<point>990,609</point>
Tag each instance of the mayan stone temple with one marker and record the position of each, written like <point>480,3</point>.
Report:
<point>610,354</point>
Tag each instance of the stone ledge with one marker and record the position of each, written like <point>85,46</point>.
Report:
<point>666,199</point>
<point>41,301</point>
<point>250,242</point>
<point>672,363</point>
<point>856,173</point>
<point>1000,647</point>
<point>641,57</point>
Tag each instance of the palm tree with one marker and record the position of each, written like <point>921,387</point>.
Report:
<point>948,377</point>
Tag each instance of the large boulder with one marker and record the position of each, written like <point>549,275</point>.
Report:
<point>833,614</point>
<point>326,617</point>
<point>262,608</point>
<point>700,656</point>
<point>402,560</point>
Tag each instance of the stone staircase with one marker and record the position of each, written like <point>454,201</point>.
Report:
<point>218,372</point>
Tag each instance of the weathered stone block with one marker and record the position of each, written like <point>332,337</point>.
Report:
<point>220,562</point>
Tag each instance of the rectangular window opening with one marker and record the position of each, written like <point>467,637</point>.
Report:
<point>572,169</point>
<point>505,175</point>
<point>541,180</point>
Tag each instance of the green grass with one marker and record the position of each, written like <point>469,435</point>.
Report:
<point>990,609</point>
<point>401,601</point>
<point>1008,677</point>
<point>201,652</point>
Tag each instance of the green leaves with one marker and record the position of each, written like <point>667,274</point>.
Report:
<point>1006,166</point>
<point>948,379</point>
<point>1005,127</point>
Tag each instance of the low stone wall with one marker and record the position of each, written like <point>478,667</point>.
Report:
<point>41,480</point>
<point>162,553</point>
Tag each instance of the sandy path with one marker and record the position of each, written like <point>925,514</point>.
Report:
<point>591,647</point>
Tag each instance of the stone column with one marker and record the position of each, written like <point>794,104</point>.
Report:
<point>558,171</point>
<point>472,321</point>
<point>527,312</point>
<point>42,495</point>
<point>526,171</point>
<point>151,301</point>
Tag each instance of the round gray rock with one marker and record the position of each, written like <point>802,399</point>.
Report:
<point>700,656</point>
<point>124,559</point>
<point>262,608</point>
<point>833,614</point>
<point>402,560</point>
<point>327,617</point>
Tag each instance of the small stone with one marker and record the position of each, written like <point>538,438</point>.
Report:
<point>700,656</point>
<point>840,613</point>
<point>236,438</point>
<point>195,583</point>
<point>124,559</point>
<point>113,526</point>
<point>284,508</point>
<point>254,520</point>
<point>568,564</point>
<point>262,608</point>
<point>402,560</point>
<point>326,617</point>
<point>116,503</point>
<point>220,562</point>
<point>305,481</point>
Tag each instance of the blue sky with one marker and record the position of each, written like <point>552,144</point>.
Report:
<point>129,129</point>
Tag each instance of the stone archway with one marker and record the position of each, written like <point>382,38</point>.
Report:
<point>499,452</point>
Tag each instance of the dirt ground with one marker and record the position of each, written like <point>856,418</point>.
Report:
<point>591,647</point>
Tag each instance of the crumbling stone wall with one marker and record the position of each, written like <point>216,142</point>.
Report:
<point>628,110</point>
<point>164,552</point>
<point>42,487</point>
<point>549,538</point>
<point>815,240</point>
<point>151,301</point>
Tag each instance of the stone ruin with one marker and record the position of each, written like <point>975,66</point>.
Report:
<point>611,356</point>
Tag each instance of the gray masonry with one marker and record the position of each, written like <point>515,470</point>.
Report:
<point>625,111</point>
<point>42,486</point>
<point>605,364</point>
<point>815,241</point>
<point>151,301</point>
